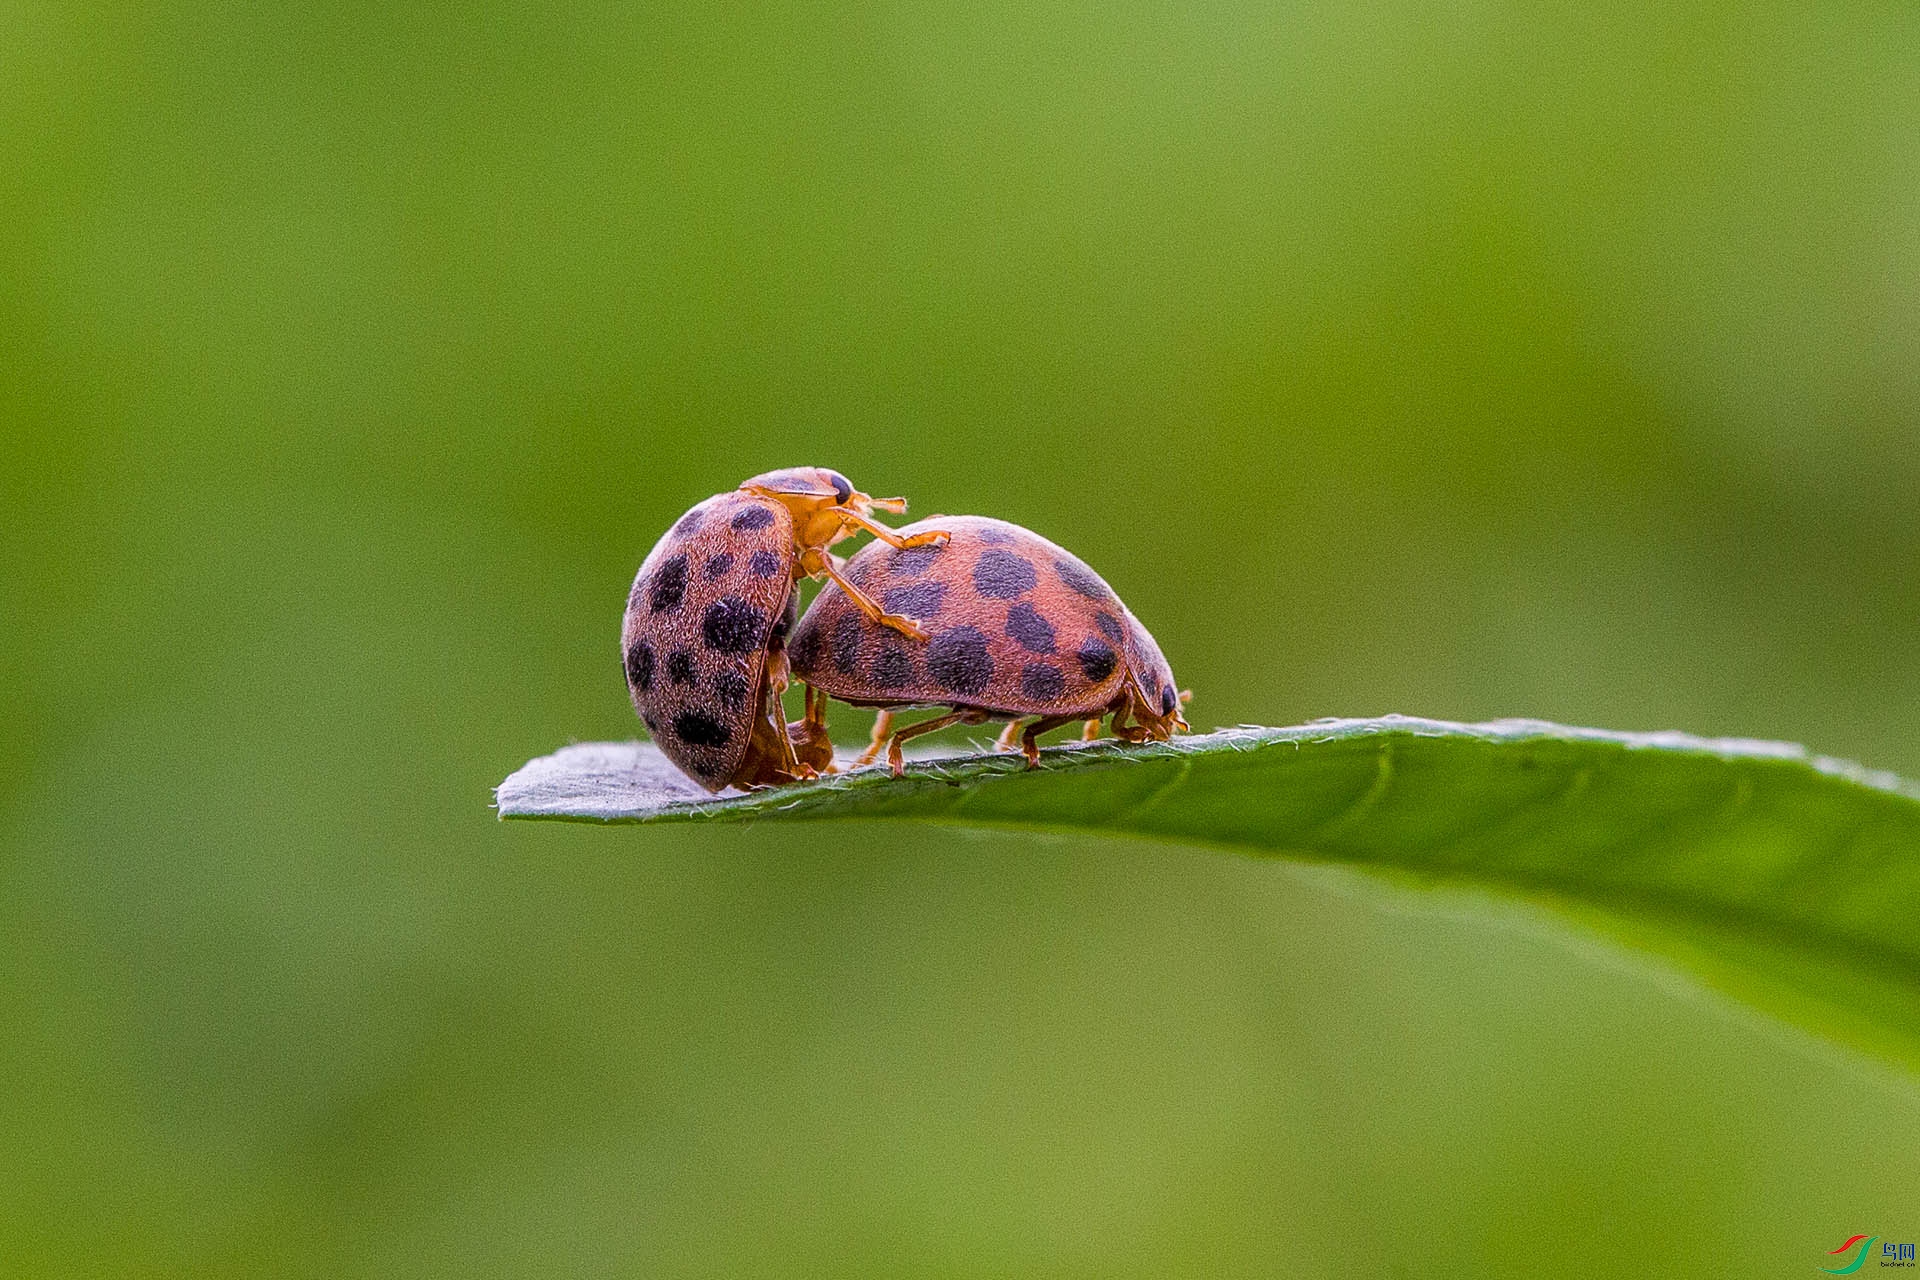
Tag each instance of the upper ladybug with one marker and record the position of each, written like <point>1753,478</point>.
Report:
<point>1020,627</point>
<point>706,622</point>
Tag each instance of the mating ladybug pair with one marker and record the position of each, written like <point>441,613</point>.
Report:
<point>977,616</point>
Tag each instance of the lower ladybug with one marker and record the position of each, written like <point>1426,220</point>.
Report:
<point>1020,627</point>
<point>707,620</point>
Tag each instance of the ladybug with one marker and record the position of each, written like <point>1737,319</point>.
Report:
<point>707,620</point>
<point>1020,627</point>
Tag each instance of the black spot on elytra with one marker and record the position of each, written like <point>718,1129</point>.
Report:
<point>732,689</point>
<point>698,729</point>
<point>788,616</point>
<point>680,667</point>
<point>1168,699</point>
<point>806,650</point>
<point>669,585</point>
<point>764,564</point>
<point>754,517</point>
<point>1109,626</point>
<point>1096,659</point>
<point>993,535</point>
<point>688,522</point>
<point>640,666</point>
<point>1001,575</point>
<point>1042,682</point>
<point>1025,625</point>
<point>957,658</point>
<point>893,669</point>
<point>1081,579</point>
<point>731,625</point>
<point>842,489</point>
<point>718,566</point>
<point>913,561</point>
<point>920,600</point>
<point>847,632</point>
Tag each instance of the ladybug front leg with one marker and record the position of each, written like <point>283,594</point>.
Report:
<point>1122,730</point>
<point>818,564</point>
<point>930,538</point>
<point>1092,731</point>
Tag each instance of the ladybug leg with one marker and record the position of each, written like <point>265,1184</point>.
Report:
<point>882,726</point>
<point>897,762</point>
<point>809,736</point>
<point>818,564</point>
<point>815,717</point>
<point>1124,731</point>
<point>931,538</point>
<point>1092,731</point>
<point>1028,744</point>
<point>777,681</point>
<point>770,759</point>
<point>1012,738</point>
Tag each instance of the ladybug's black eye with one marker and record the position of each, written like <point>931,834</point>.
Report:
<point>842,490</point>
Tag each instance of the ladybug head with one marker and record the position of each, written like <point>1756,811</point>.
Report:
<point>810,492</point>
<point>1158,698</point>
<point>803,482</point>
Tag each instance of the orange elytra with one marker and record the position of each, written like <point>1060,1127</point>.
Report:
<point>1019,628</point>
<point>705,631</point>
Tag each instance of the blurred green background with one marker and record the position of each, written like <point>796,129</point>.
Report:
<point>1465,360</point>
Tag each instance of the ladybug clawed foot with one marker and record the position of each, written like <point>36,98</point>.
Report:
<point>907,627</point>
<point>932,538</point>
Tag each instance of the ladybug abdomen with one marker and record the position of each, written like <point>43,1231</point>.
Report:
<point>712,596</point>
<point>1017,626</point>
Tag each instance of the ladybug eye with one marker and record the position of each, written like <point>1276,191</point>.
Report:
<point>842,490</point>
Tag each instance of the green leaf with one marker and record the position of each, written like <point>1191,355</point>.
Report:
<point>1789,880</point>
